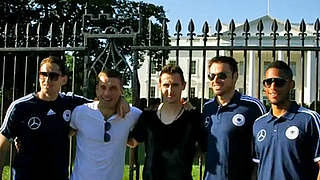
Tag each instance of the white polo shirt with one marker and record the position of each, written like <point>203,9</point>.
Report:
<point>95,158</point>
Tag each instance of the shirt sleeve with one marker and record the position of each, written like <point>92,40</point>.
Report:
<point>139,132</point>
<point>9,124</point>
<point>134,115</point>
<point>78,100</point>
<point>202,132</point>
<point>260,109</point>
<point>74,116</point>
<point>255,154</point>
<point>258,112</point>
<point>313,130</point>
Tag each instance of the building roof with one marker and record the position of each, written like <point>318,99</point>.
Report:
<point>267,27</point>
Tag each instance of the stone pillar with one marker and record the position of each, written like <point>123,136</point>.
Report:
<point>309,93</point>
<point>252,87</point>
<point>280,55</point>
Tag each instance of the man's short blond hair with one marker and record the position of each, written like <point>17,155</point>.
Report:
<point>111,73</point>
<point>55,60</point>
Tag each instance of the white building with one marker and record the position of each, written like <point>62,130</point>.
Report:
<point>252,61</point>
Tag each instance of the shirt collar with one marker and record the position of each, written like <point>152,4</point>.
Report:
<point>233,102</point>
<point>111,118</point>
<point>289,115</point>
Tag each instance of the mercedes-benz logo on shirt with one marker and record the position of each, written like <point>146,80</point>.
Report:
<point>292,132</point>
<point>67,115</point>
<point>238,120</point>
<point>261,135</point>
<point>34,123</point>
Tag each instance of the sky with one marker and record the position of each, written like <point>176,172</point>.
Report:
<point>239,10</point>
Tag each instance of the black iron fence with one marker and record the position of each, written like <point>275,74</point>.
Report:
<point>297,44</point>
<point>23,46</point>
<point>253,44</point>
<point>86,49</point>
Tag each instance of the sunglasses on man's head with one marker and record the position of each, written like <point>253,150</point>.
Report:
<point>53,76</point>
<point>221,75</point>
<point>279,82</point>
<point>107,127</point>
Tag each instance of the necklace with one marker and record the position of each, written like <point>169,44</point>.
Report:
<point>169,121</point>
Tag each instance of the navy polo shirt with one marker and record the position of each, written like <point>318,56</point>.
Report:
<point>287,147</point>
<point>230,137</point>
<point>43,129</point>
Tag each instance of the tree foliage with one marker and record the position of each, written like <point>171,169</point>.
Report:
<point>68,12</point>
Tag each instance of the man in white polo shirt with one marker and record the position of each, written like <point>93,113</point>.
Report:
<point>101,134</point>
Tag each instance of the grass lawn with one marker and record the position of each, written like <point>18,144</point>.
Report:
<point>195,173</point>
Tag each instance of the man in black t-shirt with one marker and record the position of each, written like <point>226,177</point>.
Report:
<point>170,133</point>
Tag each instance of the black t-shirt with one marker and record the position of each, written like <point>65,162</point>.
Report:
<point>170,149</point>
<point>42,128</point>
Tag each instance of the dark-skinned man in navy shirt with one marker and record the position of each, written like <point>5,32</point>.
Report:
<point>287,137</point>
<point>229,118</point>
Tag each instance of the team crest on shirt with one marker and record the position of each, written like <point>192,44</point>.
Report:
<point>238,120</point>
<point>207,121</point>
<point>67,115</point>
<point>34,123</point>
<point>261,135</point>
<point>292,132</point>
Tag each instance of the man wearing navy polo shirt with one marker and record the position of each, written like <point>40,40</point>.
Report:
<point>287,138</point>
<point>41,122</point>
<point>229,119</point>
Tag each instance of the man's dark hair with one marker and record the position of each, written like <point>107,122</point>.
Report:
<point>55,60</point>
<point>111,73</point>
<point>285,70</point>
<point>227,60</point>
<point>172,69</point>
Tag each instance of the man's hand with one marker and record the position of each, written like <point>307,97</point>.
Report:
<point>132,143</point>
<point>187,105</point>
<point>122,107</point>
<point>17,144</point>
<point>72,132</point>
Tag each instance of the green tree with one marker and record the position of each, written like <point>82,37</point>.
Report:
<point>69,12</point>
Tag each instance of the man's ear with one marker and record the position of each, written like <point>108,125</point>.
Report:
<point>184,85</point>
<point>64,80</point>
<point>159,85</point>
<point>97,89</point>
<point>235,76</point>
<point>292,84</point>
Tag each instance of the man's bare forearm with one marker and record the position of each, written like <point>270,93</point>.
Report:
<point>4,147</point>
